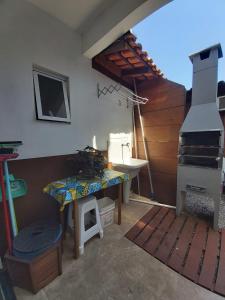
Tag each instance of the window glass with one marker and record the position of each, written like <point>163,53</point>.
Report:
<point>52,97</point>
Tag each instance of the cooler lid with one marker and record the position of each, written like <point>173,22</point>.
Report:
<point>36,237</point>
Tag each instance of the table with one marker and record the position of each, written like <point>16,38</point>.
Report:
<point>71,189</point>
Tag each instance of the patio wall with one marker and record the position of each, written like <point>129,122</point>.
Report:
<point>29,36</point>
<point>162,118</point>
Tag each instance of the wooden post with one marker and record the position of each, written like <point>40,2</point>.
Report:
<point>76,229</point>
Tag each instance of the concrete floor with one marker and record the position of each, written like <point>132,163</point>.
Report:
<point>116,269</point>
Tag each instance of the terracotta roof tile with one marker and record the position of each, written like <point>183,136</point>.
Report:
<point>127,54</point>
<point>139,65</point>
<point>143,54</point>
<point>126,67</point>
<point>114,57</point>
<point>121,62</point>
<point>134,60</point>
<point>130,36</point>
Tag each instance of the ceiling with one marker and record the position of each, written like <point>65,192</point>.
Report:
<point>99,22</point>
<point>77,14</point>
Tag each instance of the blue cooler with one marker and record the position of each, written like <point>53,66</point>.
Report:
<point>35,239</point>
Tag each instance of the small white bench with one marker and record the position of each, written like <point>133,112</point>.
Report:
<point>86,205</point>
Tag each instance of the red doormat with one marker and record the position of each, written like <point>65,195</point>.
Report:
<point>186,244</point>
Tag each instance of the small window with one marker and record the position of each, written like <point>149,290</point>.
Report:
<point>51,96</point>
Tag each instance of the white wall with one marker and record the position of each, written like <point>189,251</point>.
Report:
<point>118,153</point>
<point>29,36</point>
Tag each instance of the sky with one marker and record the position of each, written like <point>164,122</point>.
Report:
<point>179,29</point>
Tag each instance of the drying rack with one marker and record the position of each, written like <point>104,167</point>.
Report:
<point>123,93</point>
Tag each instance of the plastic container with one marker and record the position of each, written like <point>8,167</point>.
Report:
<point>36,239</point>
<point>106,209</point>
<point>36,258</point>
<point>9,147</point>
<point>18,188</point>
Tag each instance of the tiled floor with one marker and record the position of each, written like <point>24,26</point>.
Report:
<point>115,268</point>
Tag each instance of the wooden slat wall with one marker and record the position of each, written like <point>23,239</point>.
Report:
<point>162,118</point>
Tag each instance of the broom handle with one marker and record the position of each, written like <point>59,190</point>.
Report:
<point>10,200</point>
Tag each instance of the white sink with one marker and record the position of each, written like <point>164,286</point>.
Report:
<point>132,167</point>
<point>131,164</point>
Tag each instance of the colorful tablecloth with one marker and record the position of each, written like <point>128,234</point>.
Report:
<point>70,189</point>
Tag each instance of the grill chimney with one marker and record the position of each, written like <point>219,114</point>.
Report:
<point>205,69</point>
<point>203,114</point>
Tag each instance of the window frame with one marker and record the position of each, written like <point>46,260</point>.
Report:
<point>59,78</point>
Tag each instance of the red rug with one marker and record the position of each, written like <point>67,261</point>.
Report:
<point>186,244</point>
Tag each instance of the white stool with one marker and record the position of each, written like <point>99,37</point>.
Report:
<point>86,205</point>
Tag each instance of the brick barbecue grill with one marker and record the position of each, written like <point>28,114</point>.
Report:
<point>201,143</point>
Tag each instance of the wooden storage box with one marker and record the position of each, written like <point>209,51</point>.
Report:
<point>35,274</point>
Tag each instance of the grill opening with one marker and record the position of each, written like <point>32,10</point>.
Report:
<point>205,138</point>
<point>200,149</point>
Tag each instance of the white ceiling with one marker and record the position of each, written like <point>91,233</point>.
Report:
<point>74,13</point>
<point>100,22</point>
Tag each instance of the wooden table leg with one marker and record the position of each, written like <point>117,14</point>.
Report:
<point>61,219</point>
<point>120,200</point>
<point>76,229</point>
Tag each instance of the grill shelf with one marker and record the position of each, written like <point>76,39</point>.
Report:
<point>203,161</point>
<point>199,150</point>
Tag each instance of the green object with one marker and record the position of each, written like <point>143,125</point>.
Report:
<point>18,188</point>
<point>11,177</point>
<point>10,144</point>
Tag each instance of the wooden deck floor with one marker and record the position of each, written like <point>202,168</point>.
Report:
<point>186,244</point>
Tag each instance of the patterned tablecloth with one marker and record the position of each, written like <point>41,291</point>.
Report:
<point>70,189</point>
